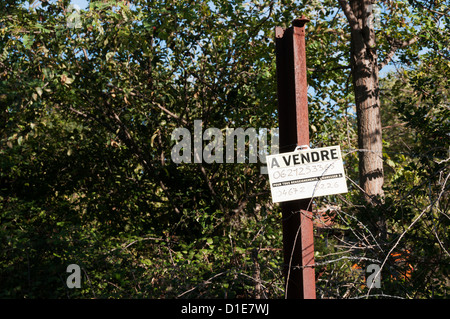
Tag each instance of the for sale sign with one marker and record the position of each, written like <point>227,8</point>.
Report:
<point>306,173</point>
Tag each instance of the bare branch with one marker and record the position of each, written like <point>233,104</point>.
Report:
<point>206,282</point>
<point>389,254</point>
<point>394,125</point>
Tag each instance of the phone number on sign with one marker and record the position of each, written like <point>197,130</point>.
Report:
<point>299,171</point>
<point>300,189</point>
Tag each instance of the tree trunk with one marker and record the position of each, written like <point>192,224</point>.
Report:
<point>365,81</point>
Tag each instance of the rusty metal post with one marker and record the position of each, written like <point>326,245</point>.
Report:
<point>298,240</point>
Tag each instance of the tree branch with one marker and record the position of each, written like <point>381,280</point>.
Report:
<point>141,95</point>
<point>353,21</point>
<point>395,45</point>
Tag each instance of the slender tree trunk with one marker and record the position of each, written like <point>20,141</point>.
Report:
<point>364,62</point>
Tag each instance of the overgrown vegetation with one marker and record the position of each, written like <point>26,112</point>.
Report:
<point>86,175</point>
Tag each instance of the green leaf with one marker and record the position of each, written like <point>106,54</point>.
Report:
<point>28,41</point>
<point>39,91</point>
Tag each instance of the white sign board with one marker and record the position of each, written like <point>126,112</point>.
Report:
<point>306,173</point>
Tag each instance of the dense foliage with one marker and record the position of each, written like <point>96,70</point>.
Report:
<point>86,175</point>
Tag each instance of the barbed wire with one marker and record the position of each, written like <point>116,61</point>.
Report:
<point>347,151</point>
